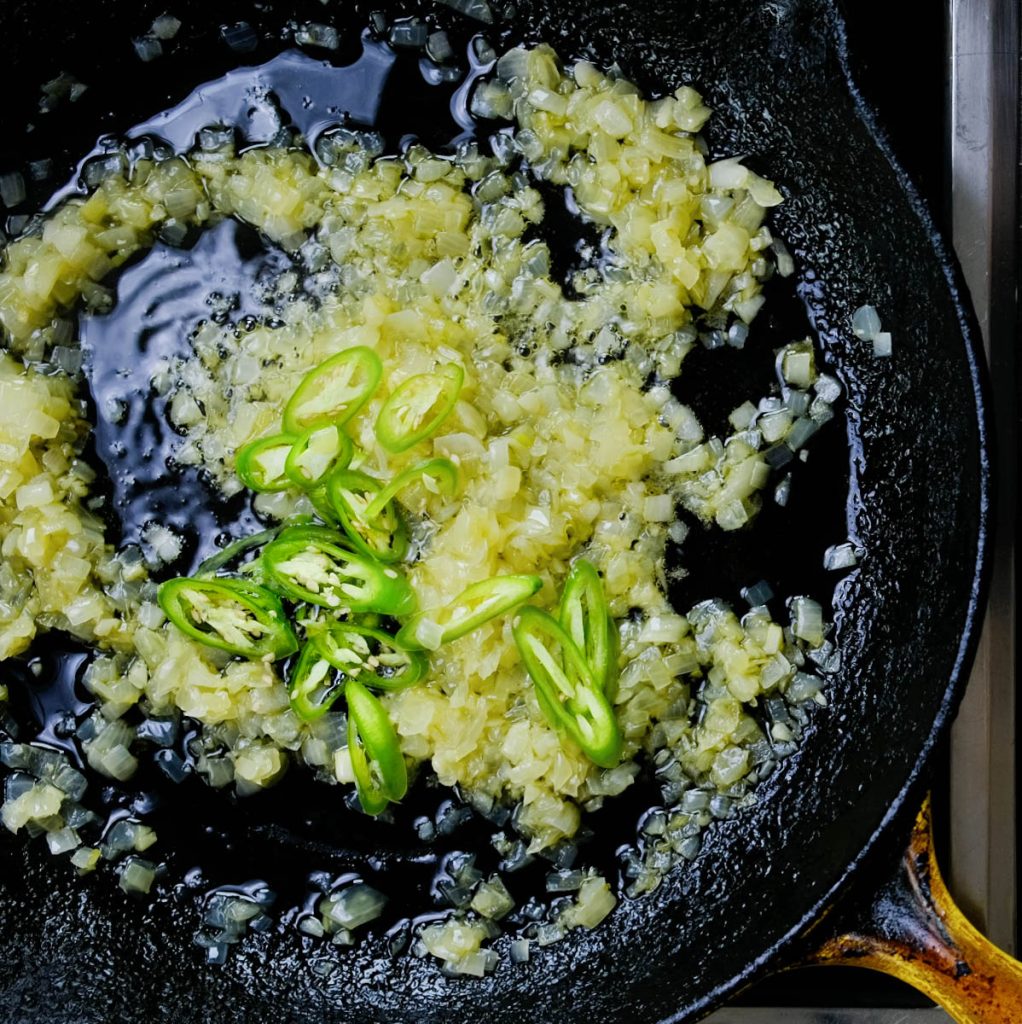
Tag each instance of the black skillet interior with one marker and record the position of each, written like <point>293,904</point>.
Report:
<point>911,465</point>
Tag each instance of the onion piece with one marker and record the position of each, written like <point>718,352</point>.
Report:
<point>137,875</point>
<point>807,620</point>
<point>240,37</point>
<point>480,10</point>
<point>882,346</point>
<point>840,556</point>
<point>315,34</point>
<point>148,48</point>
<point>353,906</point>
<point>165,27</point>
<point>12,189</point>
<point>865,323</point>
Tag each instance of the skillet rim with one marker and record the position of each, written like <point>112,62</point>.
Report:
<point>772,958</point>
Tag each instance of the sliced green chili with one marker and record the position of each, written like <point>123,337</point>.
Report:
<point>586,619</point>
<point>377,763</point>
<point>313,567</point>
<point>469,610</point>
<point>313,683</point>
<point>316,454</point>
<point>384,536</point>
<point>235,549</point>
<point>260,465</point>
<point>436,474</point>
<point>231,615</point>
<point>372,656</point>
<point>321,503</point>
<point>566,689</point>
<point>314,619</point>
<point>334,391</point>
<point>315,532</point>
<point>320,497</point>
<point>418,406</point>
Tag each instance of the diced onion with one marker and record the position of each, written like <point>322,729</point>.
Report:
<point>840,556</point>
<point>148,48</point>
<point>353,906</point>
<point>865,323</point>
<point>137,875</point>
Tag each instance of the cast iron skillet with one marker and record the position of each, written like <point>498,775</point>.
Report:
<point>907,618</point>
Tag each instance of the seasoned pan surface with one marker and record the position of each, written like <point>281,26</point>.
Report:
<point>913,466</point>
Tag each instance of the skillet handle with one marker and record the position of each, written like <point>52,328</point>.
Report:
<point>914,932</point>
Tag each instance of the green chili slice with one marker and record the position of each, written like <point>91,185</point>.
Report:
<point>566,689</point>
<point>334,391</point>
<point>231,615</point>
<point>319,495</point>
<point>316,454</point>
<point>321,503</point>
<point>313,683</point>
<point>586,619</point>
<point>418,406</point>
<point>435,474</point>
<point>469,610</point>
<point>309,565</point>
<point>372,656</point>
<point>376,759</point>
<point>384,536</point>
<point>235,549</point>
<point>314,532</point>
<point>260,465</point>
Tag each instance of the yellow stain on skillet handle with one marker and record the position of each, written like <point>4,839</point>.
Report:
<point>914,932</point>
